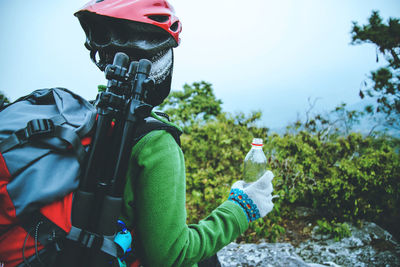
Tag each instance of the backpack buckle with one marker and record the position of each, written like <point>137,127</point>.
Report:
<point>90,240</point>
<point>39,127</point>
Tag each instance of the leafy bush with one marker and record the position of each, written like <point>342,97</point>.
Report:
<point>3,99</point>
<point>194,104</point>
<point>344,176</point>
<point>213,156</point>
<point>334,229</point>
<point>348,177</point>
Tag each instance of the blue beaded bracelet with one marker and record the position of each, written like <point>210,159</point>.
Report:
<point>242,199</point>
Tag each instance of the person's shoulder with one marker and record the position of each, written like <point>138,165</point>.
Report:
<point>157,122</point>
<point>164,118</point>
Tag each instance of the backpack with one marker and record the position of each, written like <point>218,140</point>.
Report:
<point>40,161</point>
<point>44,139</point>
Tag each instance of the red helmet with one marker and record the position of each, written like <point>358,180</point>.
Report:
<point>156,12</point>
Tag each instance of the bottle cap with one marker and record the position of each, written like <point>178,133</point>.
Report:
<point>257,142</point>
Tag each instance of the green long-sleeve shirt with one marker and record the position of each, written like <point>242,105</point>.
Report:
<point>155,208</point>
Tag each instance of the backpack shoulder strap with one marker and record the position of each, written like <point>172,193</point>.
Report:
<point>157,121</point>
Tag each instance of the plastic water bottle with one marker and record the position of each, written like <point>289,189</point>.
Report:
<point>255,162</point>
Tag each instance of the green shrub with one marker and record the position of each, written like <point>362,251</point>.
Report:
<point>214,154</point>
<point>337,230</point>
<point>345,176</point>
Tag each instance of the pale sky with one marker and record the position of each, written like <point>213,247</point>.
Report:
<point>259,55</point>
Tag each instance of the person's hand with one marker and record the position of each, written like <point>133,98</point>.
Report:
<point>254,198</point>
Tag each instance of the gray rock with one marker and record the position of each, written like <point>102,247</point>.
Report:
<point>263,254</point>
<point>369,246</point>
<point>304,212</point>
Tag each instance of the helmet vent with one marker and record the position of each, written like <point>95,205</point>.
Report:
<point>174,27</point>
<point>159,18</point>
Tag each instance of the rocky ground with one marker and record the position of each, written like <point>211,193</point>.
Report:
<point>369,245</point>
